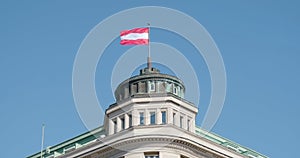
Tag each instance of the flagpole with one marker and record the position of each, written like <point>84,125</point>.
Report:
<point>42,145</point>
<point>149,57</point>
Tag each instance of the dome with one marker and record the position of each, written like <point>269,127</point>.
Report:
<point>150,82</point>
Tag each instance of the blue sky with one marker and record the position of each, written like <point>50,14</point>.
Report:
<point>258,40</point>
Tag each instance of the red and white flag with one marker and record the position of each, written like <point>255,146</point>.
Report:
<point>135,36</point>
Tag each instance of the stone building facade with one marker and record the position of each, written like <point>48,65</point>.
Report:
<point>150,119</point>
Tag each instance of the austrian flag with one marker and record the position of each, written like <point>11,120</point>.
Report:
<point>135,36</point>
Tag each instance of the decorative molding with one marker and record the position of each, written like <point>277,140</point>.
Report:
<point>171,143</point>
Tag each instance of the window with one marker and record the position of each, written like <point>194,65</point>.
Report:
<point>174,114</point>
<point>181,121</point>
<point>142,122</point>
<point>151,155</point>
<point>122,123</point>
<point>188,124</point>
<point>152,118</point>
<point>175,90</point>
<point>163,117</point>
<point>130,120</point>
<point>168,87</point>
<point>182,156</point>
<point>152,86</point>
<point>115,126</point>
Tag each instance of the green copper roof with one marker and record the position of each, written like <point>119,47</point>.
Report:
<point>71,144</point>
<point>91,136</point>
<point>228,144</point>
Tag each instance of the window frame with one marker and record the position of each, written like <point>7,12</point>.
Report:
<point>122,122</point>
<point>163,117</point>
<point>174,118</point>
<point>152,86</point>
<point>181,121</point>
<point>141,118</point>
<point>175,89</point>
<point>130,120</point>
<point>152,117</point>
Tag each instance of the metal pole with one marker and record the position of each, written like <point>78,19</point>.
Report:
<point>149,57</point>
<point>42,145</point>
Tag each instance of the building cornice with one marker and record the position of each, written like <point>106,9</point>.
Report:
<point>143,98</point>
<point>137,137</point>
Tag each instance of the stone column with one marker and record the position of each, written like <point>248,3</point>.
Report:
<point>126,91</point>
<point>119,125</point>
<point>177,119</point>
<point>110,127</point>
<point>170,116</point>
<point>158,117</point>
<point>147,117</point>
<point>184,122</point>
<point>192,126</point>
<point>135,118</point>
<point>126,118</point>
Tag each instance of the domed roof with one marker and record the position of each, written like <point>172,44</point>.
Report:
<point>150,81</point>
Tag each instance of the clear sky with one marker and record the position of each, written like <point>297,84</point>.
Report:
<point>258,40</point>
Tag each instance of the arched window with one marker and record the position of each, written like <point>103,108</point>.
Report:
<point>175,89</point>
<point>151,86</point>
